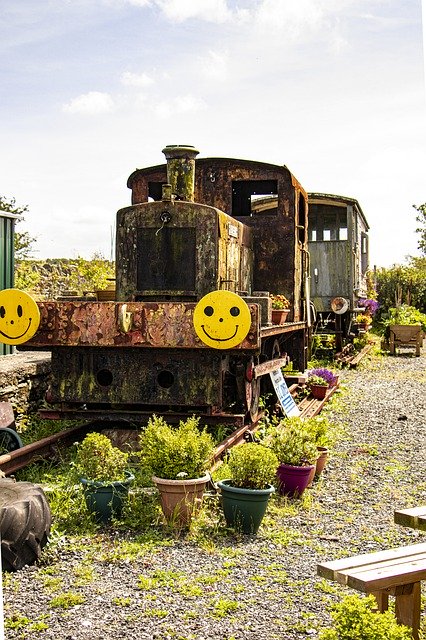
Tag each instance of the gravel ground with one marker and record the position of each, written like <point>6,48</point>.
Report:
<point>213,586</point>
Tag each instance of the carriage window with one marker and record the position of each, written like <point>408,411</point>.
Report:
<point>343,233</point>
<point>248,197</point>
<point>313,234</point>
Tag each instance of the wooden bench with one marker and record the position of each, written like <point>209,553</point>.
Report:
<point>415,518</point>
<point>402,335</point>
<point>396,572</point>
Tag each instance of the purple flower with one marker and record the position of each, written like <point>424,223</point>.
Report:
<point>369,305</point>
<point>326,374</point>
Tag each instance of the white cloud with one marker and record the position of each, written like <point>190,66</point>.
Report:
<point>92,103</point>
<point>179,105</point>
<point>136,79</point>
<point>208,10</point>
<point>215,65</point>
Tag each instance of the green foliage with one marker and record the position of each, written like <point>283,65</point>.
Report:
<point>421,230</point>
<point>25,277</point>
<point>67,600</point>
<point>355,618</point>
<point>98,460</point>
<point>252,466</point>
<point>291,442</point>
<point>23,242</point>
<point>47,279</point>
<point>322,430</point>
<point>405,315</point>
<point>172,452</point>
<point>402,284</point>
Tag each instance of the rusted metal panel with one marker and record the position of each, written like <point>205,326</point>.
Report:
<point>185,258</point>
<point>151,324</point>
<point>124,377</point>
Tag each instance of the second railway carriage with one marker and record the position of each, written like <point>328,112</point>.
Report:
<point>338,249</point>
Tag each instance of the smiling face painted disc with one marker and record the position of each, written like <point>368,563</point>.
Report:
<point>19,316</point>
<point>222,319</point>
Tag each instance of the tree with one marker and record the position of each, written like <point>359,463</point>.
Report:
<point>23,242</point>
<point>421,218</point>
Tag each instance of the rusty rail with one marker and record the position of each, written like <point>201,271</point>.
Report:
<point>20,458</point>
<point>48,447</point>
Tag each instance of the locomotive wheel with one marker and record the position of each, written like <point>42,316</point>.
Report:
<point>25,521</point>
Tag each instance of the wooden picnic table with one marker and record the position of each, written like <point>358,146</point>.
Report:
<point>415,518</point>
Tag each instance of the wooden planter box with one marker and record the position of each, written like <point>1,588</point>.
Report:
<point>404,335</point>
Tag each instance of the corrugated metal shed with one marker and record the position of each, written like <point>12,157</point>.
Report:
<point>7,230</point>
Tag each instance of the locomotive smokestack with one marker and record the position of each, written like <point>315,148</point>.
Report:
<point>181,170</point>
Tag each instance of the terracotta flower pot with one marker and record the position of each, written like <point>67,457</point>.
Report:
<point>321,460</point>
<point>279,316</point>
<point>318,391</point>
<point>180,499</point>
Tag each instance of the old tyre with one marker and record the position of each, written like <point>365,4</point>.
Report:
<point>25,521</point>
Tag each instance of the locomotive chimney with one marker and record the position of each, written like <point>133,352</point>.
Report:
<point>181,170</point>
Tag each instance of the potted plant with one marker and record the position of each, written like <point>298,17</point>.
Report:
<point>329,376</point>
<point>178,458</point>
<point>320,428</point>
<point>363,320</point>
<point>102,470</point>
<point>318,386</point>
<point>246,494</point>
<point>296,450</point>
<point>280,308</point>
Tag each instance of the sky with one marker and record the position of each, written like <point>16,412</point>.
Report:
<point>90,90</point>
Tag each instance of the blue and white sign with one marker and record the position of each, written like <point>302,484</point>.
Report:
<point>284,396</point>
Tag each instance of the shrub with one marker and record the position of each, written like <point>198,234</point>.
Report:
<point>252,466</point>
<point>172,452</point>
<point>97,459</point>
<point>291,442</point>
<point>355,618</point>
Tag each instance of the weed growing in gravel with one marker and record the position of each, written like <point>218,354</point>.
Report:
<point>16,621</point>
<point>156,613</point>
<point>52,584</point>
<point>224,607</point>
<point>122,602</point>
<point>67,600</point>
<point>84,574</point>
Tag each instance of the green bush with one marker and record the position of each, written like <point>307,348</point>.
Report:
<point>404,314</point>
<point>97,459</point>
<point>402,284</point>
<point>356,618</point>
<point>172,452</point>
<point>252,466</point>
<point>291,442</point>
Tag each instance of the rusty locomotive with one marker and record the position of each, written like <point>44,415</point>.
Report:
<point>193,227</point>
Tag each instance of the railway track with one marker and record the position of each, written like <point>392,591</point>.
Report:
<point>49,448</point>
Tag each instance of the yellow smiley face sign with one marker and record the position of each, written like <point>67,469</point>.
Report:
<point>19,316</point>
<point>222,319</point>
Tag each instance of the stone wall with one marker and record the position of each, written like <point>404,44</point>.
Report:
<point>24,378</point>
